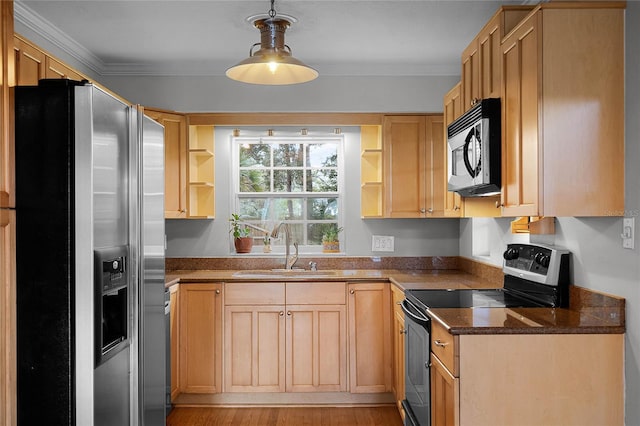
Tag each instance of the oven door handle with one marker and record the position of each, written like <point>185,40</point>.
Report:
<point>419,317</point>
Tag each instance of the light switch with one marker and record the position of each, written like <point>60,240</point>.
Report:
<point>382,243</point>
<point>628,232</point>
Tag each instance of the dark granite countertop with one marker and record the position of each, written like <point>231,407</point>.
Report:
<point>590,312</point>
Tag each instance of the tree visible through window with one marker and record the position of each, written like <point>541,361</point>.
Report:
<point>292,179</point>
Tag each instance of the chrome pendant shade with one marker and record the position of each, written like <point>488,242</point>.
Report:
<point>272,64</point>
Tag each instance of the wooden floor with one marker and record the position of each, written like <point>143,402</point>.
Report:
<point>284,416</point>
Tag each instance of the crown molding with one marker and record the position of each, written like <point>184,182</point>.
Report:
<point>43,28</point>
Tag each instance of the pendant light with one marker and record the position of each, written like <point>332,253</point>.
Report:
<point>272,64</point>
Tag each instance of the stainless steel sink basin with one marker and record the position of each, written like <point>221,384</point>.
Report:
<point>282,273</point>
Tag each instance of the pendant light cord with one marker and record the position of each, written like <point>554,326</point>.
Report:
<point>272,11</point>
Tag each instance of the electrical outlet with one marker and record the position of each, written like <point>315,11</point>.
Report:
<point>381,243</point>
<point>628,232</point>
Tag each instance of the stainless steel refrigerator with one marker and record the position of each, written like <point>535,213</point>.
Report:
<point>89,258</point>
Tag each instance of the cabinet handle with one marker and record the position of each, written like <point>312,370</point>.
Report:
<point>281,313</point>
<point>399,302</point>
<point>429,210</point>
<point>456,208</point>
<point>217,291</point>
<point>403,331</point>
<point>289,313</point>
<point>422,210</point>
<point>352,291</point>
<point>499,204</point>
<point>440,343</point>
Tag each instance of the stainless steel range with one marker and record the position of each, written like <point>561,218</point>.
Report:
<point>534,276</point>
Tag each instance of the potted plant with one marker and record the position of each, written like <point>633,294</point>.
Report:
<point>241,239</point>
<point>330,242</point>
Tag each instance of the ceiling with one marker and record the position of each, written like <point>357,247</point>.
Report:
<point>184,37</point>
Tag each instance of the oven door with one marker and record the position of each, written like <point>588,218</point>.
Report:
<point>417,404</point>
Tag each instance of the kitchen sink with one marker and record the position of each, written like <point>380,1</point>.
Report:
<point>282,273</point>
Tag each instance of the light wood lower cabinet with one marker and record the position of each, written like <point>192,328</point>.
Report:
<point>398,333</point>
<point>444,395</point>
<point>370,356</point>
<point>540,379</point>
<point>316,348</point>
<point>174,335</point>
<point>200,330</point>
<point>275,343</point>
<point>254,348</point>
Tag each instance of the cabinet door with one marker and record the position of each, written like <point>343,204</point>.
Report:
<point>175,162</point>
<point>489,60</point>
<point>29,63</point>
<point>398,333</point>
<point>444,395</point>
<point>56,69</point>
<point>404,140</point>
<point>7,317</point>
<point>436,173</point>
<point>520,95</point>
<point>316,348</point>
<point>470,75</point>
<point>452,110</point>
<point>200,338</point>
<point>369,309</point>
<point>254,348</point>
<point>174,334</point>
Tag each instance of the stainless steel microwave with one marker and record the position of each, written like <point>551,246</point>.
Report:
<point>474,161</point>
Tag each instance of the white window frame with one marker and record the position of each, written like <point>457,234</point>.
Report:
<point>278,246</point>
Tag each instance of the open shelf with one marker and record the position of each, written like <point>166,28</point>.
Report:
<point>201,195</point>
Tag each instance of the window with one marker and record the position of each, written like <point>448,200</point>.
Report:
<point>296,179</point>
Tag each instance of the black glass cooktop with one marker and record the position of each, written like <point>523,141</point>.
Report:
<point>484,298</point>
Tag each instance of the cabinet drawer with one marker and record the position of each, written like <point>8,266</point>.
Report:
<point>316,293</point>
<point>254,294</point>
<point>444,346</point>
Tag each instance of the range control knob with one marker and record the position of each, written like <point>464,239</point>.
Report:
<point>511,253</point>
<point>542,259</point>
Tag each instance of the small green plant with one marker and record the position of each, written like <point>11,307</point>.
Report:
<point>330,233</point>
<point>238,229</point>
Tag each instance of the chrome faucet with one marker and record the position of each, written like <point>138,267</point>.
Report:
<point>289,260</point>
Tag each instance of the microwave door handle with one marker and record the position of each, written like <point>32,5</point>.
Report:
<point>473,171</point>
<point>407,308</point>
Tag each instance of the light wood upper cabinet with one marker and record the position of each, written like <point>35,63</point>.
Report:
<point>412,146</point>
<point>200,334</point>
<point>563,133</point>
<point>452,107</point>
<point>175,162</point>
<point>29,63</point>
<point>371,164</point>
<point>33,64</point>
<point>56,69</point>
<point>370,355</point>
<point>201,194</point>
<point>481,60</point>
<point>7,79</point>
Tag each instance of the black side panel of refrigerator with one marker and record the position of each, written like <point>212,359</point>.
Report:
<point>44,255</point>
